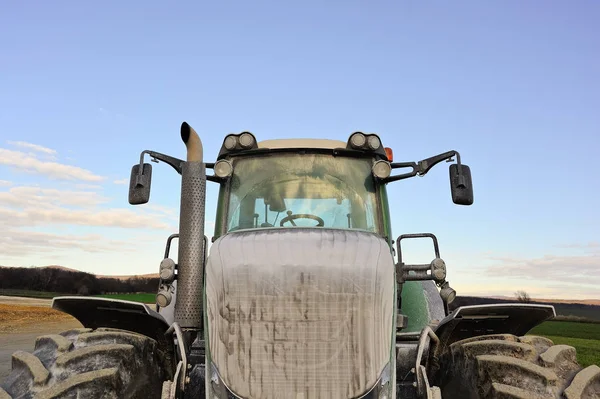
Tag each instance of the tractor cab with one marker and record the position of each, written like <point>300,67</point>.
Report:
<point>300,183</point>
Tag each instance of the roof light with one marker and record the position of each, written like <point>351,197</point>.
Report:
<point>358,140</point>
<point>374,142</point>
<point>246,140</point>
<point>223,169</point>
<point>382,169</point>
<point>230,142</point>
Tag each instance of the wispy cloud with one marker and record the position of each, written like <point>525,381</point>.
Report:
<point>17,243</point>
<point>581,269</point>
<point>27,162</point>
<point>38,197</point>
<point>33,147</point>
<point>39,222</point>
<point>34,206</point>
<point>121,181</point>
<point>589,245</point>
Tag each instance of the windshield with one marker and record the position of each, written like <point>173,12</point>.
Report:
<point>303,190</point>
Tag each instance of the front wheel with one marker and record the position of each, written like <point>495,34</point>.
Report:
<point>85,363</point>
<point>506,366</point>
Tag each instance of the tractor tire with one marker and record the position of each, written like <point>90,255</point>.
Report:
<point>505,366</point>
<point>86,363</point>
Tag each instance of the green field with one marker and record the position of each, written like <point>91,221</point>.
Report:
<point>31,294</point>
<point>585,337</point>
<point>143,297</point>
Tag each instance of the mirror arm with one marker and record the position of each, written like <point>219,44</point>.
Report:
<point>426,164</point>
<point>175,163</point>
<point>157,156</point>
<point>422,167</point>
<point>396,165</point>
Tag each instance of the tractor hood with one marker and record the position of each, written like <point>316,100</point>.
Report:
<point>299,313</point>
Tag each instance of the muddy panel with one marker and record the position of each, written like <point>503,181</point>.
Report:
<point>300,313</point>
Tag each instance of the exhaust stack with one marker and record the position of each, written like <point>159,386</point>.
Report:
<point>190,278</point>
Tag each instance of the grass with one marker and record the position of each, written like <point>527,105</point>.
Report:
<point>585,337</point>
<point>141,297</point>
<point>588,350</point>
<point>30,293</point>
<point>137,297</point>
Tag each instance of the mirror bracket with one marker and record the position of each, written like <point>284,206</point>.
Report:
<point>175,163</point>
<point>422,167</point>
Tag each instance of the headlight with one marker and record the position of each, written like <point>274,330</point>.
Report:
<point>230,142</point>
<point>223,169</point>
<point>246,140</point>
<point>374,142</point>
<point>382,169</point>
<point>365,142</point>
<point>358,140</point>
<point>164,297</point>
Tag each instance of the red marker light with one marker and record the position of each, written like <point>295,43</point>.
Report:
<point>389,153</point>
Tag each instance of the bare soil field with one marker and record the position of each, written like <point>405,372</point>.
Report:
<point>22,320</point>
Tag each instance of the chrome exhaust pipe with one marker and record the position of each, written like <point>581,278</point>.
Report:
<point>190,276</point>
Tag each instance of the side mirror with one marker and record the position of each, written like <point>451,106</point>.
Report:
<point>139,184</point>
<point>461,185</point>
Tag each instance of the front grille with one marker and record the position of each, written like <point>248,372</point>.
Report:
<point>300,313</point>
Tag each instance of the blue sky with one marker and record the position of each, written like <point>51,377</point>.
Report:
<point>513,86</point>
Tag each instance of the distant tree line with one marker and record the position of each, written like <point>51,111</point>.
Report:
<point>71,282</point>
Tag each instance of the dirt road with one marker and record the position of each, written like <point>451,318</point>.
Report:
<point>22,320</point>
<point>24,339</point>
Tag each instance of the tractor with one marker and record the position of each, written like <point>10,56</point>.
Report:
<point>303,294</point>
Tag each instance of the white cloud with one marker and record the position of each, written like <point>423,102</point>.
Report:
<point>23,207</point>
<point>41,222</point>
<point>579,269</point>
<point>37,197</point>
<point>592,245</point>
<point>25,210</point>
<point>34,147</point>
<point>30,163</point>
<point>165,210</point>
<point>124,218</point>
<point>84,186</point>
<point>21,243</point>
<point>121,181</point>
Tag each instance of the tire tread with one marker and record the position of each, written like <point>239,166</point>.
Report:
<point>585,385</point>
<point>505,366</point>
<point>82,363</point>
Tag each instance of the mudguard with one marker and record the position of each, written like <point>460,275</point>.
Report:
<point>114,313</point>
<point>506,318</point>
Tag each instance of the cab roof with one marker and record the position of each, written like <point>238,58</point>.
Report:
<point>301,143</point>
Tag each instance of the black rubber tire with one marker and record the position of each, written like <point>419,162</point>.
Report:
<point>85,363</point>
<point>506,366</point>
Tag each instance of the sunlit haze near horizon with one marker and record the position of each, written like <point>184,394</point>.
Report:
<point>512,86</point>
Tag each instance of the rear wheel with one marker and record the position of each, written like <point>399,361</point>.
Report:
<point>85,363</point>
<point>506,366</point>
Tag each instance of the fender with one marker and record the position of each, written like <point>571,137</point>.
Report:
<point>95,312</point>
<point>506,318</point>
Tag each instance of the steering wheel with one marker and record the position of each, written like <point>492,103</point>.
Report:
<point>290,218</point>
